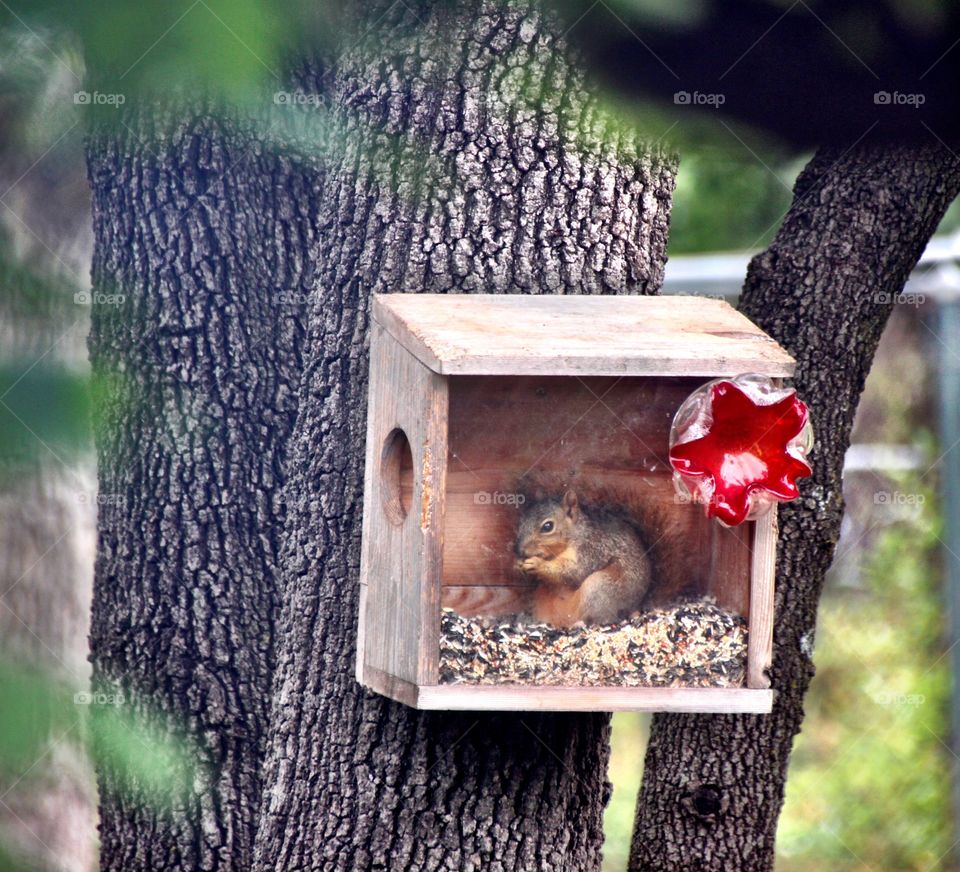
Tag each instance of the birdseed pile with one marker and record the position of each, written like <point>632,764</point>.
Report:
<point>697,644</point>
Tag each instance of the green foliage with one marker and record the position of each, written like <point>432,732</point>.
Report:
<point>627,747</point>
<point>39,710</point>
<point>728,201</point>
<point>869,785</point>
<point>145,755</point>
<point>33,709</point>
<point>951,221</point>
<point>44,414</point>
<point>230,46</point>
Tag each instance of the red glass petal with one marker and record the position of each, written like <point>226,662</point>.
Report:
<point>745,449</point>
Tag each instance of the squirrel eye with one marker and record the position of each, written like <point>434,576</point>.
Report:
<point>546,527</point>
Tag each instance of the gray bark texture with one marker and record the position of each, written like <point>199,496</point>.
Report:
<point>468,159</point>
<point>207,230</point>
<point>713,786</point>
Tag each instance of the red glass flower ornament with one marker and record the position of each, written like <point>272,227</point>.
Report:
<point>739,445</point>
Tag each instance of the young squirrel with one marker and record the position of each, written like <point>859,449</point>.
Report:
<point>590,565</point>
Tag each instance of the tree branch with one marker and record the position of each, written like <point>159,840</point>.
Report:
<point>713,786</point>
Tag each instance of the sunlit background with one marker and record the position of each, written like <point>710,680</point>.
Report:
<point>872,773</point>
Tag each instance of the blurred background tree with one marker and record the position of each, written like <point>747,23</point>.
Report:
<point>47,482</point>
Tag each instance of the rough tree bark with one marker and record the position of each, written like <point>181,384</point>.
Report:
<point>469,160</point>
<point>208,232</point>
<point>713,786</point>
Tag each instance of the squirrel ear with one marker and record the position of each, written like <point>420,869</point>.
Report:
<point>570,502</point>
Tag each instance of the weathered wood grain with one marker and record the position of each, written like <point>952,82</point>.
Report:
<point>483,334</point>
<point>592,699</point>
<point>764,565</point>
<point>399,625</point>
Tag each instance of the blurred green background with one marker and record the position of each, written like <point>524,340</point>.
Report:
<point>869,784</point>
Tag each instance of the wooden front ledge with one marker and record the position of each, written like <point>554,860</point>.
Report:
<point>519,697</point>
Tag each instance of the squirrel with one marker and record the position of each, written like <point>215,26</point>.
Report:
<point>590,564</point>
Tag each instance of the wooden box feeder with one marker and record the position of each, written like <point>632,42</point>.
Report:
<point>470,394</point>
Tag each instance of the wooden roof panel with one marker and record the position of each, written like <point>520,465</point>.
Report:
<point>521,334</point>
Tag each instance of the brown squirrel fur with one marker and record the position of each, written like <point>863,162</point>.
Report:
<point>599,564</point>
<point>590,565</point>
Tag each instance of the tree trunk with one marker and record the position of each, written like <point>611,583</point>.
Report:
<point>208,232</point>
<point>469,160</point>
<point>713,786</point>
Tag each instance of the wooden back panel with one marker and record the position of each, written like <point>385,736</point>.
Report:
<point>605,436</point>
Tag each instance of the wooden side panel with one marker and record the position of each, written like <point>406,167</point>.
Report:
<point>731,566</point>
<point>606,437</point>
<point>399,627</point>
<point>760,640</point>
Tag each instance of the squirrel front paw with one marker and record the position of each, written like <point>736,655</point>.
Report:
<point>529,564</point>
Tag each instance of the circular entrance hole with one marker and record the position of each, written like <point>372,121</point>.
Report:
<point>396,470</point>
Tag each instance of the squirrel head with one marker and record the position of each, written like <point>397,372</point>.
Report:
<point>546,526</point>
